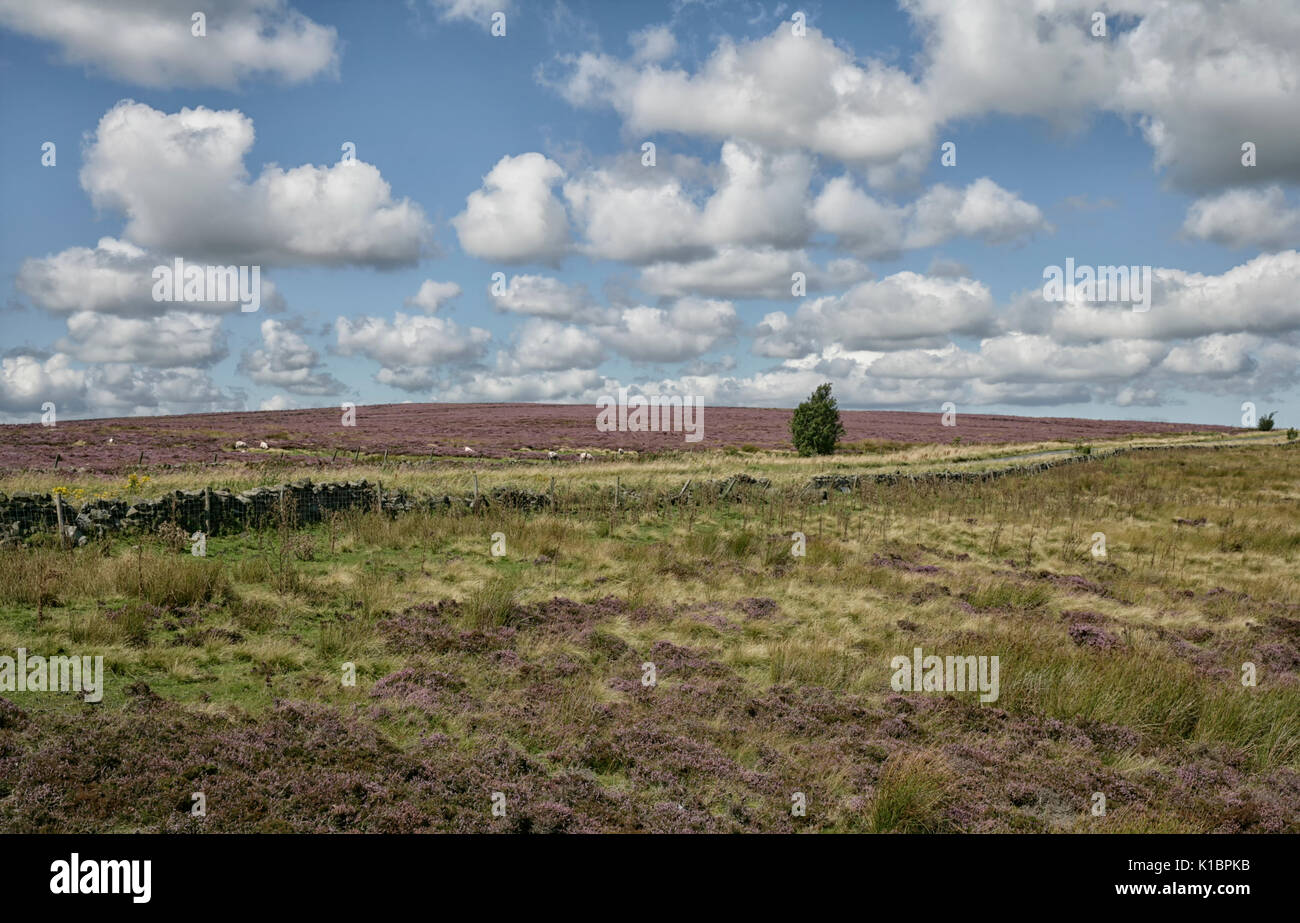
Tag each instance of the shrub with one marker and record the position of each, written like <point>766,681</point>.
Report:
<point>1292,434</point>
<point>1265,422</point>
<point>816,425</point>
<point>302,546</point>
<point>173,537</point>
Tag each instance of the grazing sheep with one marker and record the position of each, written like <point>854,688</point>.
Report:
<point>468,451</point>
<point>241,444</point>
<point>264,445</point>
<point>110,440</point>
<point>552,455</point>
<point>586,456</point>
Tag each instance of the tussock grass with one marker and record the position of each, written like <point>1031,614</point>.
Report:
<point>1149,691</point>
<point>97,629</point>
<point>1009,595</point>
<point>168,580</point>
<point>48,575</point>
<point>814,664</point>
<point>1154,694</point>
<point>911,795</point>
<point>1262,722</point>
<point>492,604</point>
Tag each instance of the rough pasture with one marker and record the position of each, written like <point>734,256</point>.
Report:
<point>393,673</point>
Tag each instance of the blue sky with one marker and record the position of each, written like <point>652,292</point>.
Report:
<point>777,149</point>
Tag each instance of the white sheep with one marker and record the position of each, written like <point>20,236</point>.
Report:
<point>586,456</point>
<point>264,445</point>
<point>468,451</point>
<point>110,440</point>
<point>552,455</point>
<point>241,444</point>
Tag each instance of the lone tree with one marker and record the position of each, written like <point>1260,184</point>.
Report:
<point>816,425</point>
<point>1266,421</point>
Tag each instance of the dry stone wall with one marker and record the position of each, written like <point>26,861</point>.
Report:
<point>217,511</point>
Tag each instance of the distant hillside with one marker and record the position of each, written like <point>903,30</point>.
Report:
<point>496,431</point>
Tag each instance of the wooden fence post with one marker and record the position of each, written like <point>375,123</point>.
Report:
<point>207,511</point>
